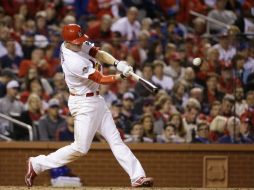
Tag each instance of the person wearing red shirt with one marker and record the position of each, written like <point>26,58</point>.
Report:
<point>102,7</point>
<point>37,62</point>
<point>119,49</point>
<point>100,31</point>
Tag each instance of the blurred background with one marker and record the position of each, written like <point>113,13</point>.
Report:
<point>200,110</point>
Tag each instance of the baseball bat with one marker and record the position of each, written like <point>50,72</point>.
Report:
<point>149,86</point>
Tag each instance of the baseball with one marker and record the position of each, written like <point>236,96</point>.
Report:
<point>196,61</point>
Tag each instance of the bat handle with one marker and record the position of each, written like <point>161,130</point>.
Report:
<point>135,76</point>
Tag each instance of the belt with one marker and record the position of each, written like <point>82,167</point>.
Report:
<point>89,94</point>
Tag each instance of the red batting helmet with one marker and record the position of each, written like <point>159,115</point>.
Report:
<point>72,33</point>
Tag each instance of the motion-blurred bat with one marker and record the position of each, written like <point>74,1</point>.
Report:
<point>149,86</point>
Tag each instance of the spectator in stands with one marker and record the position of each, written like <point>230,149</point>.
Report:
<point>249,112</point>
<point>148,106</point>
<point>221,14</point>
<point>101,31</point>
<point>5,36</point>
<point>41,27</point>
<point>155,51</point>
<point>147,73</point>
<point>225,49</point>
<point>240,102</point>
<point>189,79</point>
<point>100,8</point>
<point>164,108</point>
<point>108,95</point>
<point>169,135</point>
<point>233,129</point>
<point>202,134</point>
<point>128,26</point>
<point>10,105</point>
<point>120,50</point>
<point>211,92</point>
<point>140,50</point>
<point>159,78</point>
<point>127,116</point>
<point>147,121</point>
<point>198,93</point>
<point>51,13</point>
<point>215,110</point>
<point>34,85</point>
<point>33,74</point>
<point>170,50</point>
<point>53,63</point>
<point>248,54</point>
<point>59,84</point>
<point>199,26</point>
<point>66,132</point>
<point>227,105</point>
<point>146,24</point>
<point>227,82</point>
<point>11,59</point>
<point>30,116</point>
<point>238,62</point>
<point>191,111</point>
<point>245,130</point>
<point>6,76</point>
<point>122,87</point>
<point>37,62</point>
<point>213,60</point>
<point>177,120</point>
<point>137,134</point>
<point>217,128</point>
<point>175,70</point>
<point>28,44</point>
<point>179,95</point>
<point>51,122</point>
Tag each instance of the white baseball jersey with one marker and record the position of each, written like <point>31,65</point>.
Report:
<point>77,66</point>
<point>91,115</point>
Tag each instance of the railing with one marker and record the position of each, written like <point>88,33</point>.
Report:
<point>19,123</point>
<point>5,138</point>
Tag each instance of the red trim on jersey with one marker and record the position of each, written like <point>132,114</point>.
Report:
<point>93,51</point>
<point>102,79</point>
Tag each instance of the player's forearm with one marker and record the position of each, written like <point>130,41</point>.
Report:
<point>102,79</point>
<point>105,57</point>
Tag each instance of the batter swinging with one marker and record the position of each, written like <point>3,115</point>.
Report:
<point>79,59</point>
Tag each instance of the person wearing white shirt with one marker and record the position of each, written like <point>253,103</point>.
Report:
<point>165,82</point>
<point>80,61</point>
<point>128,26</point>
<point>225,49</point>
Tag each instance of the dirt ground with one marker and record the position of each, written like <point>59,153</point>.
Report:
<point>112,188</point>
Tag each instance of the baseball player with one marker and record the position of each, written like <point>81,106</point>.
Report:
<point>80,61</point>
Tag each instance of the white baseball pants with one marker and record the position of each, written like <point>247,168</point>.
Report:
<point>90,115</point>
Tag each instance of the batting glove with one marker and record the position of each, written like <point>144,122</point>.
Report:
<point>127,71</point>
<point>122,66</point>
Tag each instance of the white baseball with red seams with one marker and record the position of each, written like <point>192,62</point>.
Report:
<point>90,114</point>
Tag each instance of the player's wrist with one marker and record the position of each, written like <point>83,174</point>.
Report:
<point>120,76</point>
<point>123,76</point>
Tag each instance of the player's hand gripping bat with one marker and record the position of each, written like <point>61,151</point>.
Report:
<point>149,86</point>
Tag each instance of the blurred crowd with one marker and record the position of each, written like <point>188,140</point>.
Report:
<point>208,103</point>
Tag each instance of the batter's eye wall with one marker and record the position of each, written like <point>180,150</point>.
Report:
<point>185,165</point>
